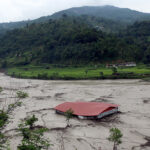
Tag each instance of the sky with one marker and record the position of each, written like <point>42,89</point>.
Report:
<point>17,10</point>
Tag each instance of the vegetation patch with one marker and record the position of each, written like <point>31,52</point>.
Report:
<point>32,137</point>
<point>11,107</point>
<point>69,115</point>
<point>3,120</point>
<point>1,89</point>
<point>115,137</point>
<point>78,73</point>
<point>21,94</point>
<point>146,79</point>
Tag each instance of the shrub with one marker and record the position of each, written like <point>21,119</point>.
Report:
<point>11,107</point>
<point>146,79</point>
<point>42,76</point>
<point>21,94</point>
<point>101,75</point>
<point>3,121</point>
<point>1,89</point>
<point>30,121</point>
<point>69,115</point>
<point>13,74</point>
<point>86,71</point>
<point>55,75</point>
<point>2,141</point>
<point>32,136</point>
<point>114,70</point>
<point>3,118</point>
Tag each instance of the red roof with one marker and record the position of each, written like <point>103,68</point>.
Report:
<point>85,108</point>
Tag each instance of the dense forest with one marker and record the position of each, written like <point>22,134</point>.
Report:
<point>137,37</point>
<point>76,40</point>
<point>67,40</point>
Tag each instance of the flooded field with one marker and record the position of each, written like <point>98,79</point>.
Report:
<point>133,96</point>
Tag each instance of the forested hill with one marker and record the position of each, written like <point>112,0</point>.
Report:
<point>106,25</point>
<point>69,40</point>
<point>109,17</point>
<point>138,36</point>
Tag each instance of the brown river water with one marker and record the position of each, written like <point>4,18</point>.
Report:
<point>132,96</point>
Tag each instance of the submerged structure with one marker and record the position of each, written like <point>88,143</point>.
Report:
<point>88,110</point>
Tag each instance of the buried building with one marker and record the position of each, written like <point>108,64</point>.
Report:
<point>88,110</point>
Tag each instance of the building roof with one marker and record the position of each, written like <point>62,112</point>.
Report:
<point>85,108</point>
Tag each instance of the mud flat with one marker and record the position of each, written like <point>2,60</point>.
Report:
<point>133,96</point>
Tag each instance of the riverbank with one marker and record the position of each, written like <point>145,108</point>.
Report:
<point>78,73</point>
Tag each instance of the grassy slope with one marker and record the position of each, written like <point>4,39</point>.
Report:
<point>75,73</point>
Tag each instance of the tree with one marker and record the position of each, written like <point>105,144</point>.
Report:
<point>4,64</point>
<point>114,70</point>
<point>115,136</point>
<point>69,115</point>
<point>101,74</point>
<point>32,136</point>
<point>86,71</point>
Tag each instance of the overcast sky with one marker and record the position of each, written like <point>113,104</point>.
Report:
<point>16,10</point>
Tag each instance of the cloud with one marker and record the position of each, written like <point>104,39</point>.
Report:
<point>8,11</point>
<point>140,5</point>
<point>14,10</point>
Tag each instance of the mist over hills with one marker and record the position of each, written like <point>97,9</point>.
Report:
<point>108,12</point>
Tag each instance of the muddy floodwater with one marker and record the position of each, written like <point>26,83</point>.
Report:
<point>132,96</point>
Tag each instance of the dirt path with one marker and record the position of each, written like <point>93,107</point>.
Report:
<point>133,97</point>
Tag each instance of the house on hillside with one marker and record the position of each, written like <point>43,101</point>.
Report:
<point>125,64</point>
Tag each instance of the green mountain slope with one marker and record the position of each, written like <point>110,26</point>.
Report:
<point>69,40</point>
<point>138,37</point>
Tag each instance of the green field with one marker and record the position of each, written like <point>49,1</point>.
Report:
<point>51,72</point>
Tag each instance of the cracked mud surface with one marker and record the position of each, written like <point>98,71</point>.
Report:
<point>134,120</point>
